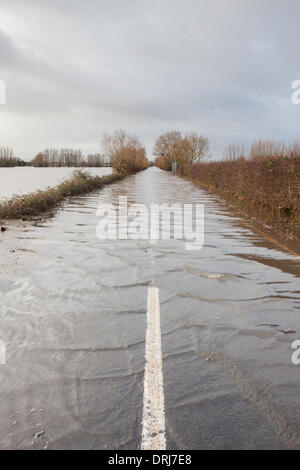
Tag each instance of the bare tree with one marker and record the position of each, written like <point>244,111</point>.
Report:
<point>95,160</point>
<point>234,152</point>
<point>165,143</point>
<point>39,160</point>
<point>125,152</point>
<point>7,158</point>
<point>268,148</point>
<point>188,149</point>
<point>197,147</point>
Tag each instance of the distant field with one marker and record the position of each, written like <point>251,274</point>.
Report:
<point>22,180</point>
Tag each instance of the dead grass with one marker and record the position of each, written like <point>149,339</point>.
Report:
<point>266,186</point>
<point>41,202</point>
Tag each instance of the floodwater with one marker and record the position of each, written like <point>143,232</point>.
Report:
<point>73,317</point>
<point>22,180</point>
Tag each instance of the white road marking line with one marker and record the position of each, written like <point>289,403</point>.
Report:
<point>153,425</point>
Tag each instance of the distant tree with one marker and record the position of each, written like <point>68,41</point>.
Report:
<point>190,148</point>
<point>39,160</point>
<point>164,148</point>
<point>268,148</point>
<point>96,160</point>
<point>234,152</point>
<point>64,157</point>
<point>125,152</point>
<point>295,150</point>
<point>7,158</point>
<point>165,143</point>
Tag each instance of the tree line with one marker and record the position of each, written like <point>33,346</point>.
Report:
<point>53,157</point>
<point>184,149</point>
<point>194,148</point>
<point>122,151</point>
<point>7,158</point>
<point>261,149</point>
<point>67,158</point>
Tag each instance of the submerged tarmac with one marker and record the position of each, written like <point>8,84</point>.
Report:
<point>73,316</point>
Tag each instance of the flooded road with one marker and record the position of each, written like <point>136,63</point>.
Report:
<point>73,317</point>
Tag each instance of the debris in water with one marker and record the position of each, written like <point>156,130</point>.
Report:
<point>287,332</point>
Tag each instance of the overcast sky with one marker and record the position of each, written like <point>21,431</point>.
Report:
<point>74,69</point>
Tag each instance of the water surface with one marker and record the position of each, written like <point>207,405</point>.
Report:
<point>22,180</point>
<point>74,320</point>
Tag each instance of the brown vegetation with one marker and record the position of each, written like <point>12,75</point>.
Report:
<point>268,181</point>
<point>265,183</point>
<point>273,183</point>
<point>187,149</point>
<point>40,202</point>
<point>7,158</point>
<point>67,158</point>
<point>125,152</point>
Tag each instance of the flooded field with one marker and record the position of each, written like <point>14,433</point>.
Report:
<point>73,317</point>
<point>22,180</point>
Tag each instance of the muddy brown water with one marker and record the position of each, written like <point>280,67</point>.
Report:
<point>73,317</point>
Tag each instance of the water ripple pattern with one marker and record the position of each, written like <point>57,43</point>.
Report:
<point>73,317</point>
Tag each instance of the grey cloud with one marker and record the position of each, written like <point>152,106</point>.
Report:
<point>75,69</point>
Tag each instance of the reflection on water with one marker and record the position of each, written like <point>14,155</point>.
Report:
<point>21,180</point>
<point>74,324</point>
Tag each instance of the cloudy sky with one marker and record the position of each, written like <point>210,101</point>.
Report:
<point>77,68</point>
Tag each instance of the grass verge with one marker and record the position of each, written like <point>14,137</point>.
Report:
<point>266,189</point>
<point>41,202</point>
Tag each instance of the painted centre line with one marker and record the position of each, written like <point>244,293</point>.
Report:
<point>153,424</point>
